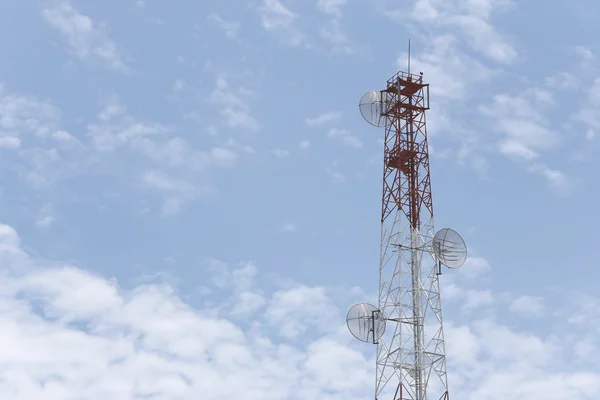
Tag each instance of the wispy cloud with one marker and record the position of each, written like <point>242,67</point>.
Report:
<point>31,127</point>
<point>22,115</point>
<point>345,138</point>
<point>558,181</point>
<point>289,228</point>
<point>115,128</point>
<point>589,112</point>
<point>472,20</point>
<point>333,170</point>
<point>522,121</point>
<point>278,18</point>
<point>87,40</point>
<point>280,153</point>
<point>45,217</point>
<point>175,192</point>
<point>527,132</point>
<point>304,144</point>
<point>323,119</point>
<point>484,38</point>
<point>528,305</point>
<point>333,7</point>
<point>333,34</point>
<point>457,76</point>
<point>452,72</point>
<point>231,29</point>
<point>232,106</point>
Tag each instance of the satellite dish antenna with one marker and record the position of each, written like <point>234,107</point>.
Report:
<point>449,248</point>
<point>365,322</point>
<point>372,107</point>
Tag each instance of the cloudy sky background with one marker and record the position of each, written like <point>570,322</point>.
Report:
<point>190,198</point>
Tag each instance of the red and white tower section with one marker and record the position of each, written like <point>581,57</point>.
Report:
<point>406,325</point>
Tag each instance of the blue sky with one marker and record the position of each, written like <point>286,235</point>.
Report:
<point>190,198</point>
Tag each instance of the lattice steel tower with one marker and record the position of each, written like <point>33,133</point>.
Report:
<point>406,325</point>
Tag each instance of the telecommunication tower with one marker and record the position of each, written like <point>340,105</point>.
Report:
<point>406,325</point>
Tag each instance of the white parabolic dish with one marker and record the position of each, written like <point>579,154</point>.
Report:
<point>450,248</point>
<point>365,322</point>
<point>372,105</point>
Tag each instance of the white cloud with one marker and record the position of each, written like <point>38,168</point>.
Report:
<point>323,119</point>
<point>588,113</point>
<point>585,53</point>
<point>231,29</point>
<point>475,267</point>
<point>331,6</point>
<point>22,115</point>
<point>46,153</point>
<point>424,11</point>
<point>176,152</point>
<point>304,144</point>
<point>292,312</point>
<point>338,176</point>
<point>527,132</point>
<point>332,33</point>
<point>246,298</point>
<point>590,134</point>
<point>280,153</point>
<point>239,147</point>
<point>10,142</point>
<point>587,349</point>
<point>326,363</point>
<point>563,81</point>
<point>232,107</point>
<point>459,286</point>
<point>289,228</point>
<point>334,172</point>
<point>451,72</point>
<point>521,119</point>
<point>240,278</point>
<point>475,298</point>
<point>85,336</point>
<point>223,156</point>
<point>451,30</point>
<point>175,192</point>
<point>110,137</point>
<point>179,85</point>
<point>558,181</point>
<point>276,15</point>
<point>278,18</point>
<point>116,129</point>
<point>345,138</point>
<point>88,41</point>
<point>482,37</point>
<point>524,120</point>
<point>45,217</point>
<point>471,20</point>
<point>528,305</point>
<point>64,136</point>
<point>248,303</point>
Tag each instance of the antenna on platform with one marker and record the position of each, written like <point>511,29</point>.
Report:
<point>373,106</point>
<point>449,248</point>
<point>365,322</point>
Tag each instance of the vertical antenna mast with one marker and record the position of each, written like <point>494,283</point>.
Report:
<point>407,323</point>
<point>409,55</point>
